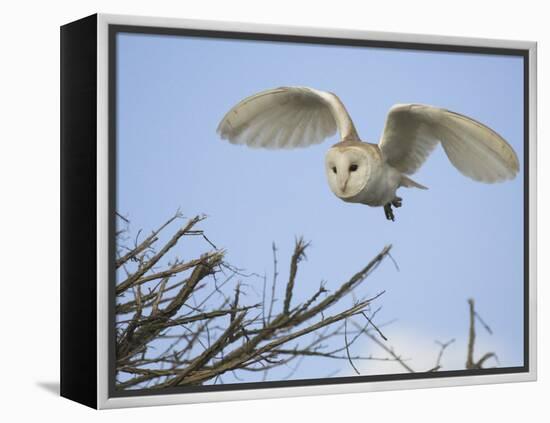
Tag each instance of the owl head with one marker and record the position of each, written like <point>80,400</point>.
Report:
<point>347,170</point>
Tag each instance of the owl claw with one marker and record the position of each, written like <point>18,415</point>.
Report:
<point>389,212</point>
<point>397,202</point>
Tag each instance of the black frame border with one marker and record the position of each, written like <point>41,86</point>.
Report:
<point>114,29</point>
<point>78,211</point>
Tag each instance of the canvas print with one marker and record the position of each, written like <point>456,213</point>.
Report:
<point>296,212</point>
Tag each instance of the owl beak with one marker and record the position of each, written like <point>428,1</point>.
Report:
<point>343,184</point>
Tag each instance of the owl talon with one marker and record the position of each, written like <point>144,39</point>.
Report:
<point>389,212</point>
<point>397,202</point>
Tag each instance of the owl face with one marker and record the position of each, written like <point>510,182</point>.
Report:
<point>347,170</point>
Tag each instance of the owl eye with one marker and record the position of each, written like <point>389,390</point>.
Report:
<point>334,169</point>
<point>353,168</point>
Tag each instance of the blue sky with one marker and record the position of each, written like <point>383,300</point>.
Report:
<point>457,240</point>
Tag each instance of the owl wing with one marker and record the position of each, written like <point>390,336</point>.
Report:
<point>412,131</point>
<point>286,117</point>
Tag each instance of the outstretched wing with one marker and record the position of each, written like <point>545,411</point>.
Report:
<point>286,117</point>
<point>412,131</point>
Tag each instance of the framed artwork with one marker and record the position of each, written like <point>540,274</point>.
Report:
<point>253,211</point>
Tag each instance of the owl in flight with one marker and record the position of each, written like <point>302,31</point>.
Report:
<point>358,171</point>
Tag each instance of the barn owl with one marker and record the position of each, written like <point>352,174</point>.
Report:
<point>361,172</point>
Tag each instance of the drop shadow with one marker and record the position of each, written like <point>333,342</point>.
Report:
<point>51,387</point>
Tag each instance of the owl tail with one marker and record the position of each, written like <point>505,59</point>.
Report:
<point>409,183</point>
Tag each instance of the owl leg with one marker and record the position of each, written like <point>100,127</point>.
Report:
<point>389,212</point>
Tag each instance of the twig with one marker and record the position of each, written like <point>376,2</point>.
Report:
<point>443,347</point>
<point>374,326</point>
<point>298,255</point>
<point>347,347</point>
<point>274,281</point>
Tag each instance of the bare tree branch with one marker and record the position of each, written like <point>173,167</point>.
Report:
<point>194,321</point>
<point>298,255</point>
<point>470,361</point>
<point>212,331</point>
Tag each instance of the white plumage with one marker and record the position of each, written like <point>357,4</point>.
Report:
<point>361,172</point>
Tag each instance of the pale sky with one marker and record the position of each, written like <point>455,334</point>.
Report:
<point>457,240</point>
